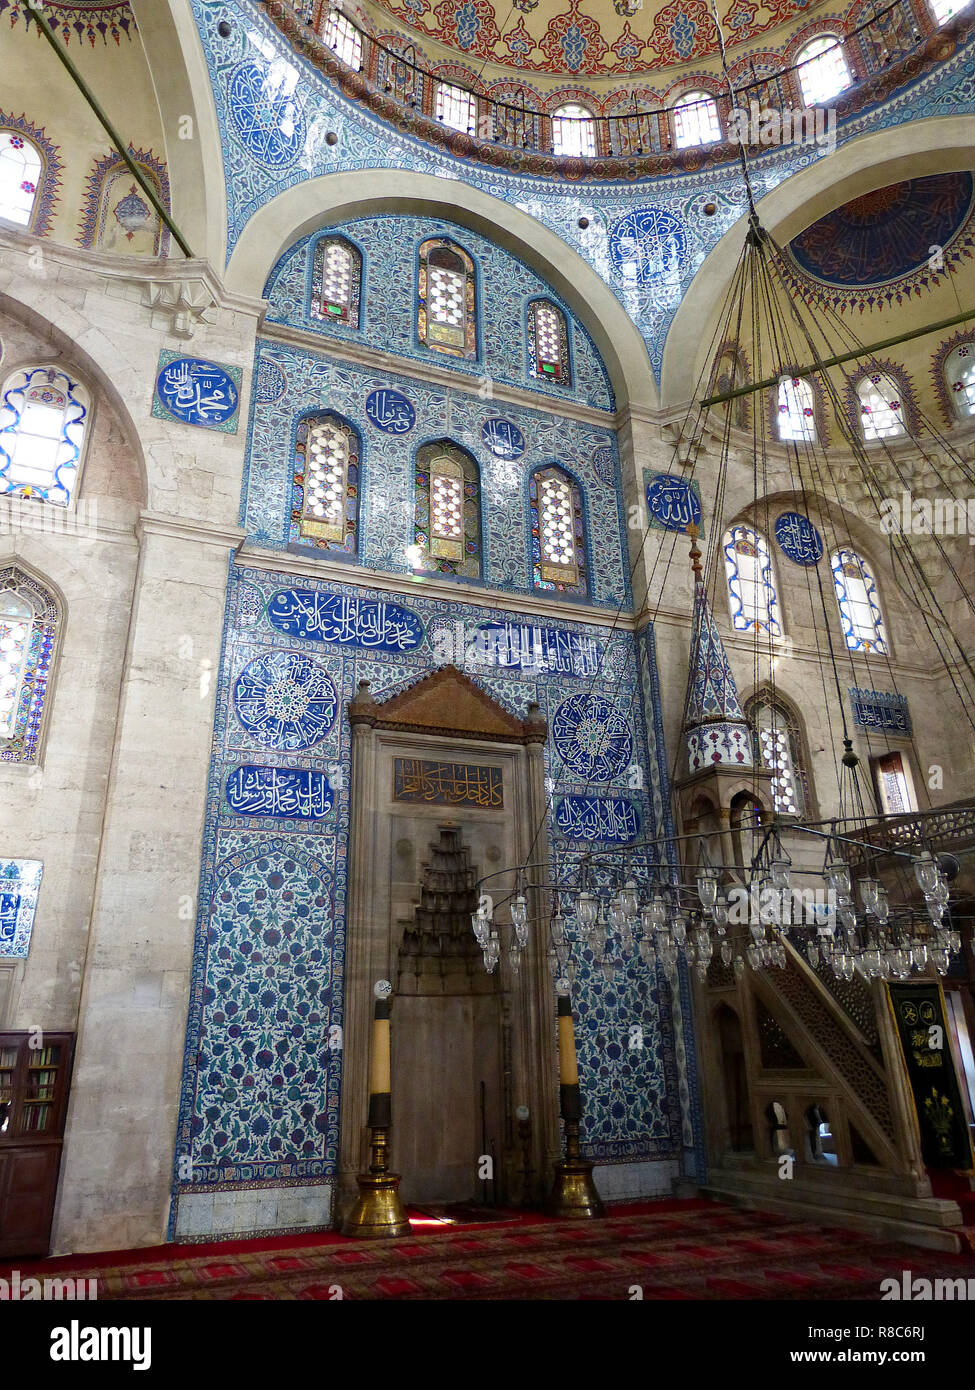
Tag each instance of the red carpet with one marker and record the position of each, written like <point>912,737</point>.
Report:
<point>673,1250</point>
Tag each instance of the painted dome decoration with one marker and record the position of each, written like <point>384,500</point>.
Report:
<point>885,235</point>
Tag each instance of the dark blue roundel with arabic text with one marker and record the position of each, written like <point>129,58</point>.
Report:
<point>503,438</point>
<point>673,502</point>
<point>285,700</point>
<point>196,391</point>
<point>390,411</point>
<point>592,736</point>
<point>799,539</point>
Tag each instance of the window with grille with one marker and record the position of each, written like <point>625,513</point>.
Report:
<point>856,593</point>
<point>456,107</point>
<point>822,70</point>
<point>797,412</point>
<point>558,539</point>
<point>548,344</point>
<point>343,38</point>
<point>326,484</point>
<point>574,131</point>
<point>696,120</point>
<point>943,10</point>
<point>751,582</point>
<point>30,619</point>
<point>881,410</point>
<point>960,376</point>
<point>20,177</point>
<point>43,421</point>
<point>778,746</point>
<point>447,529</point>
<point>446,318</point>
<point>336,282</point>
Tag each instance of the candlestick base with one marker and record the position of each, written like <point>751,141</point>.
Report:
<point>378,1212</point>
<point>574,1192</point>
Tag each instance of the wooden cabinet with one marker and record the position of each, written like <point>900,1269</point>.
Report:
<point>35,1074</point>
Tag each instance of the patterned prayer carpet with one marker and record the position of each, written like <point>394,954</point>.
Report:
<point>674,1250</point>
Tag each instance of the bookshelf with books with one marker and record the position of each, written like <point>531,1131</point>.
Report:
<point>35,1076</point>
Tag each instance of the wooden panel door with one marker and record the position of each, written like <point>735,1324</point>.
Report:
<point>35,1076</point>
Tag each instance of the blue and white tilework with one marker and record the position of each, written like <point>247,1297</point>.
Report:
<point>386,498</point>
<point>259,1100</point>
<point>646,241</point>
<point>388,246</point>
<point>20,883</point>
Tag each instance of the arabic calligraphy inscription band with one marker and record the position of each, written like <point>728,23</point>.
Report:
<point>447,784</point>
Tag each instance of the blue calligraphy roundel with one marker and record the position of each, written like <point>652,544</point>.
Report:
<point>390,411</point>
<point>592,737</point>
<point>197,392</point>
<point>503,438</point>
<point>267,115</point>
<point>648,246</point>
<point>799,539</point>
<point>285,700</point>
<point>673,502</point>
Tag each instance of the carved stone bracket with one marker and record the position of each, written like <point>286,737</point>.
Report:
<point>177,305</point>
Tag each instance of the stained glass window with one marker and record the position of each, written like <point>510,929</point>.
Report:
<point>343,38</point>
<point>446,313</point>
<point>325,508</point>
<point>779,749</point>
<point>822,70</point>
<point>797,414</point>
<point>860,612</point>
<point>548,342</point>
<point>456,107</point>
<point>574,131</point>
<point>336,281</point>
<point>881,410</point>
<point>558,535</point>
<point>20,177</point>
<point>447,517</point>
<point>29,623</point>
<point>960,375</point>
<point>751,582</point>
<point>43,419</point>
<point>696,120</point>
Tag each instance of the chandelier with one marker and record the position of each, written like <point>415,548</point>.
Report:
<point>613,914</point>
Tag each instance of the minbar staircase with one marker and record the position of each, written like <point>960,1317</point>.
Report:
<point>814,1052</point>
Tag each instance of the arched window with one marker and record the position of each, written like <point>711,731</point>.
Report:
<point>20,177</point>
<point>730,372</point>
<point>778,747</point>
<point>343,38</point>
<point>548,342</point>
<point>574,131</point>
<point>43,420</point>
<point>456,107</point>
<point>797,414</point>
<point>446,312</point>
<point>336,280</point>
<point>944,10</point>
<point>822,70</point>
<point>558,535</point>
<point>751,582</point>
<point>30,620</point>
<point>960,376</point>
<point>696,120</point>
<point>881,409</point>
<point>447,517</point>
<point>325,497</point>
<point>856,594</point>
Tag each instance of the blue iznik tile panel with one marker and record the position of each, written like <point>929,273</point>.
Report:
<point>259,1101</point>
<point>647,240</point>
<point>291,382</point>
<point>388,246</point>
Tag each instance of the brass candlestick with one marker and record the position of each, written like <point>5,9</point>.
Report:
<point>378,1211</point>
<point>573,1191</point>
